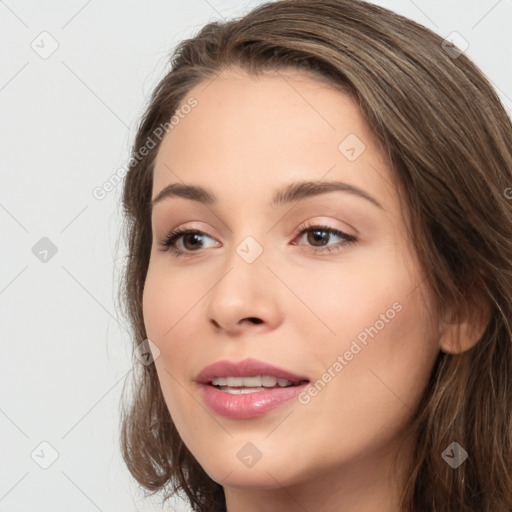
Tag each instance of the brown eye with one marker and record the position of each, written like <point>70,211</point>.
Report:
<point>318,238</point>
<point>191,241</point>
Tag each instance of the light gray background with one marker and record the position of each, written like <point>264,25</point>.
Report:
<point>67,122</point>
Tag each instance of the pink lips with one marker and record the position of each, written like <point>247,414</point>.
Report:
<point>250,405</point>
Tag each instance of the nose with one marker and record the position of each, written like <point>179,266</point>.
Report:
<point>244,299</point>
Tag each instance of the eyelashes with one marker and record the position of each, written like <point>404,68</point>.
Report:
<point>315,234</point>
<point>169,242</point>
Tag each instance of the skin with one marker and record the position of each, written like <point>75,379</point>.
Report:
<point>246,138</point>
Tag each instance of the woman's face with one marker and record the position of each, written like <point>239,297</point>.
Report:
<point>342,306</point>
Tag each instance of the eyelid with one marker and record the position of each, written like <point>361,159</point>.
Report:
<point>325,224</point>
<point>195,226</point>
<point>316,221</point>
<point>169,243</point>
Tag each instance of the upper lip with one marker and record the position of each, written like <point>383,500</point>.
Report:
<point>245,368</point>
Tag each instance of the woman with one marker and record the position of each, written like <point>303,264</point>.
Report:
<point>320,269</point>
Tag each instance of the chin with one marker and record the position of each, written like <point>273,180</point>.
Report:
<point>248,468</point>
<point>249,478</point>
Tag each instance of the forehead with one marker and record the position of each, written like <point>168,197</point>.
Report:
<point>250,132</point>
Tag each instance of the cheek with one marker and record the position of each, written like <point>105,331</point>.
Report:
<point>338,302</point>
<point>165,314</point>
<point>378,357</point>
<point>363,403</point>
<point>170,306</point>
<point>169,298</point>
<point>165,317</point>
<point>380,360</point>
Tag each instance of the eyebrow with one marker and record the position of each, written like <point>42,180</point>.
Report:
<point>289,193</point>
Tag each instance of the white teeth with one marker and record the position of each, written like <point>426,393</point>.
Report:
<point>251,382</point>
<point>235,381</point>
<point>266,381</point>
<point>240,391</point>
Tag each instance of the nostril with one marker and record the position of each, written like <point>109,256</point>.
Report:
<point>255,320</point>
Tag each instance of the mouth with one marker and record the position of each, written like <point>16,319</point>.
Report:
<point>256,384</point>
<point>247,389</point>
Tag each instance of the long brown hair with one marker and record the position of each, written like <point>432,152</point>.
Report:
<point>449,144</point>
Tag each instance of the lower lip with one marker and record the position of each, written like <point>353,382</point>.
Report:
<point>248,405</point>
